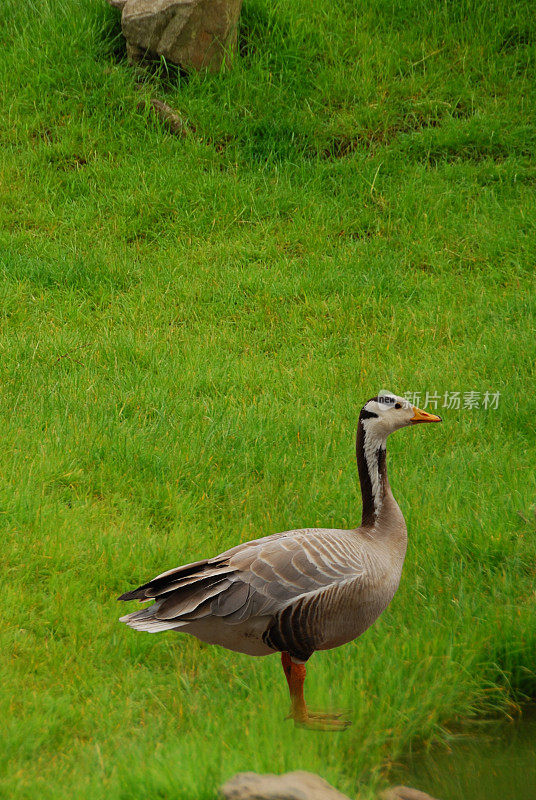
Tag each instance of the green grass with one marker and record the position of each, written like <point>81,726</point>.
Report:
<point>188,329</point>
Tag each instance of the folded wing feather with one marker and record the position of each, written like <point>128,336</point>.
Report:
<point>256,578</point>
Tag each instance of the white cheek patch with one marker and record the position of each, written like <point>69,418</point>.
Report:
<point>374,407</point>
<point>374,441</point>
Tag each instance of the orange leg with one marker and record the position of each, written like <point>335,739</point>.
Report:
<point>295,675</point>
<point>320,721</point>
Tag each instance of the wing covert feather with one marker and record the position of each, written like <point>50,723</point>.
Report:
<point>282,570</point>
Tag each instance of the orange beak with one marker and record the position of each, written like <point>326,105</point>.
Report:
<point>423,416</point>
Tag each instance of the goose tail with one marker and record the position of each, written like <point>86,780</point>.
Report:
<point>146,620</point>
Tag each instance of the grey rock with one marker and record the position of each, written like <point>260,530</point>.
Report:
<point>198,34</point>
<point>291,786</point>
<point>404,793</point>
<point>117,3</point>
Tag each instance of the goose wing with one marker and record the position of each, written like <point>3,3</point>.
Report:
<point>254,579</point>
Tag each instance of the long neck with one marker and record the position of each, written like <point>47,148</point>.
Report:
<point>372,467</point>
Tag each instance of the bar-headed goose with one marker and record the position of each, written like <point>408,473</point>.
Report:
<point>298,591</point>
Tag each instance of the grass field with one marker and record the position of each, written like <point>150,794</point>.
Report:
<point>188,330</point>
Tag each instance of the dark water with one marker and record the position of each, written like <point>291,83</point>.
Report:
<point>497,762</point>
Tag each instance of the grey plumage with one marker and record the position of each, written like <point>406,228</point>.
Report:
<point>299,581</point>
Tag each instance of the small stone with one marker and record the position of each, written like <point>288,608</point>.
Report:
<point>170,119</point>
<point>117,3</point>
<point>291,786</point>
<point>404,793</point>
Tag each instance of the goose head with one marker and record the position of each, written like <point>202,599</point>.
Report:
<point>387,413</point>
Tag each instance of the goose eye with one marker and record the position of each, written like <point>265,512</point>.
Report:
<point>398,405</point>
